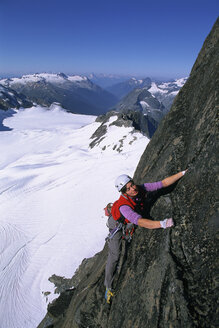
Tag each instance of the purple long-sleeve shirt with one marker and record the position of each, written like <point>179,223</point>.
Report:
<point>129,213</point>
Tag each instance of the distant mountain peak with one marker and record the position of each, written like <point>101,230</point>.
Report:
<point>62,75</point>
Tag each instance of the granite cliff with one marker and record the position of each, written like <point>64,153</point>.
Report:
<point>168,277</point>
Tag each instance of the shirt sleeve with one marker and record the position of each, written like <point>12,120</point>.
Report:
<point>153,186</point>
<point>129,214</point>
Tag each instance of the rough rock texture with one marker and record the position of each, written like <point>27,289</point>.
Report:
<point>168,277</point>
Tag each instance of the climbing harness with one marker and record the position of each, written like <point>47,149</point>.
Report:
<point>114,231</point>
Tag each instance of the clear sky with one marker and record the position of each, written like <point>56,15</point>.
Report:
<point>138,37</point>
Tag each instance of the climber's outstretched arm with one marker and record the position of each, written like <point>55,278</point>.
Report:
<point>149,224</point>
<point>173,178</point>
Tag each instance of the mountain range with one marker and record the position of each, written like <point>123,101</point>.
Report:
<point>165,92</point>
<point>151,100</point>
<point>77,94</point>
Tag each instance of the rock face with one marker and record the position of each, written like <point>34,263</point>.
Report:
<point>168,277</point>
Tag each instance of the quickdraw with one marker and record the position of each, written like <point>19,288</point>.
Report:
<point>128,231</point>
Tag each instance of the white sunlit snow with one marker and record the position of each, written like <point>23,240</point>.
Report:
<point>53,189</point>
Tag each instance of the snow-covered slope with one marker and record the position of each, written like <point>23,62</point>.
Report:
<point>53,188</point>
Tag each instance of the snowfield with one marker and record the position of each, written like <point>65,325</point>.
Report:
<point>53,188</point>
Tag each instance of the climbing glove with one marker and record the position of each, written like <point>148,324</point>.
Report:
<point>167,223</point>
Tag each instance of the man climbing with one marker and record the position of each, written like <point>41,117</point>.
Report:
<point>131,209</point>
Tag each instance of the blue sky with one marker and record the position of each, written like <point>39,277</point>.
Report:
<point>136,37</point>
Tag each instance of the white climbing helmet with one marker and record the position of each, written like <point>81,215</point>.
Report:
<point>121,181</point>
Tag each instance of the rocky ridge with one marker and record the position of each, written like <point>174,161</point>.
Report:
<point>168,277</point>
<point>131,119</point>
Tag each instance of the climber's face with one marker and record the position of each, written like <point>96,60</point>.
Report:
<point>131,189</point>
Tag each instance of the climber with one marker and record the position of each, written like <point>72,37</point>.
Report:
<point>130,210</point>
